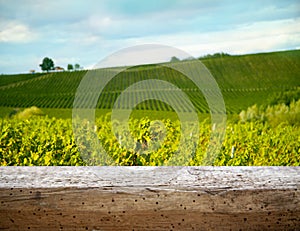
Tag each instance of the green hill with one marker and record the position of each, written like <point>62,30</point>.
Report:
<point>244,80</point>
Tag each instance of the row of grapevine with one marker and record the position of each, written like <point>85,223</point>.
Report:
<point>54,90</point>
<point>49,141</point>
<point>10,80</point>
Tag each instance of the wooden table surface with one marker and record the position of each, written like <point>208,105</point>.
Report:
<point>149,198</point>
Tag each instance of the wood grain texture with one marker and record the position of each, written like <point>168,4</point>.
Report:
<point>149,198</point>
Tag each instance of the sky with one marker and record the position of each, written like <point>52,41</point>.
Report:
<point>87,31</point>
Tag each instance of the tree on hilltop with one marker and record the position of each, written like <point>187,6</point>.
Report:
<point>77,66</point>
<point>47,64</point>
<point>174,59</point>
<point>70,67</point>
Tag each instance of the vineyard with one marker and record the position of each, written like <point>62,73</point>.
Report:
<point>49,141</point>
<point>243,80</point>
<point>260,91</point>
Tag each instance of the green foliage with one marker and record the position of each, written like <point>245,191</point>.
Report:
<point>77,66</point>
<point>29,112</point>
<point>285,97</point>
<point>70,67</point>
<point>215,55</point>
<point>284,114</point>
<point>38,141</point>
<point>45,141</point>
<point>174,59</point>
<point>275,115</point>
<point>47,64</point>
<point>251,114</point>
<point>255,143</point>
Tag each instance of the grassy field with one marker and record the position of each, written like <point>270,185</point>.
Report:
<point>244,80</point>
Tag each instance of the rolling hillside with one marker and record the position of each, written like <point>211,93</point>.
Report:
<point>244,80</point>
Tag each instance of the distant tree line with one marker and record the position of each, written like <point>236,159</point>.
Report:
<point>74,67</point>
<point>48,65</point>
<point>215,55</point>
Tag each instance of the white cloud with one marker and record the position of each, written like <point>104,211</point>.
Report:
<point>144,54</point>
<point>257,37</point>
<point>250,38</point>
<point>97,22</point>
<point>16,32</point>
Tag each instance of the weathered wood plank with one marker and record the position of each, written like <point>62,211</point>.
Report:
<point>149,198</point>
